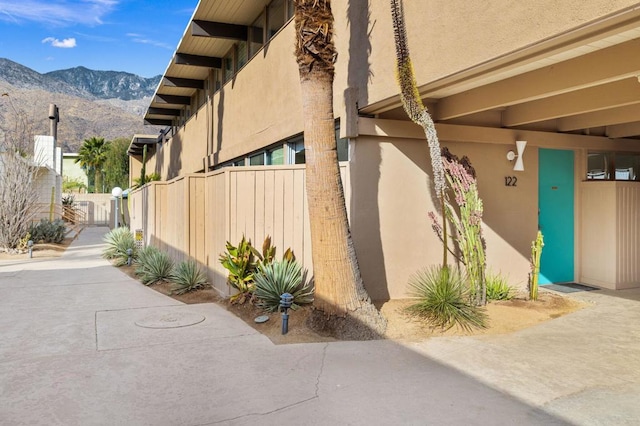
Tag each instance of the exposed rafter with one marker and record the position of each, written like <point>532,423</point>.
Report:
<point>157,122</point>
<point>624,130</point>
<point>182,82</point>
<point>197,60</point>
<point>613,116</point>
<point>163,111</point>
<point>620,93</point>
<point>595,68</point>
<point>172,99</point>
<point>218,30</point>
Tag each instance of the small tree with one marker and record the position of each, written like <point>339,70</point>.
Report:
<point>116,165</point>
<point>18,173</point>
<point>92,156</point>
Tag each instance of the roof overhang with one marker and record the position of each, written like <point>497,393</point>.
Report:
<point>138,142</point>
<point>584,81</point>
<point>209,34</point>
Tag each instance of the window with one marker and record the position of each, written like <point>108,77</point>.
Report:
<point>243,54</point>
<point>275,156</point>
<point>257,159</point>
<point>239,163</point>
<point>276,18</point>
<point>289,9</point>
<point>343,146</point>
<point>256,35</point>
<point>227,64</point>
<point>296,151</point>
<point>613,166</point>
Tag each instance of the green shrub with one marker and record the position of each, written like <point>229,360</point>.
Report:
<point>187,277</point>
<point>119,240</point>
<point>443,299</point>
<point>497,287</point>
<point>241,264</point>
<point>280,277</point>
<point>153,265</point>
<point>48,232</point>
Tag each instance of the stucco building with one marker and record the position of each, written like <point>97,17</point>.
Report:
<point>562,76</point>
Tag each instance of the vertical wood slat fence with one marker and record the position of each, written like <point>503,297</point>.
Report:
<point>194,215</point>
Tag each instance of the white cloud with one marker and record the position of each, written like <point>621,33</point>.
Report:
<point>56,12</point>
<point>67,43</point>
<point>139,38</point>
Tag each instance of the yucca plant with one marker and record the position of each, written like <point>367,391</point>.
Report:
<point>153,265</point>
<point>118,241</point>
<point>443,299</point>
<point>497,287</point>
<point>278,277</point>
<point>187,277</point>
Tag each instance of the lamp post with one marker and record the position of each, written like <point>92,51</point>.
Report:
<point>117,193</point>
<point>286,300</point>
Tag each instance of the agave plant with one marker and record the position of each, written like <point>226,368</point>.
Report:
<point>119,240</point>
<point>153,266</point>
<point>443,299</point>
<point>187,277</point>
<point>280,277</point>
<point>497,287</point>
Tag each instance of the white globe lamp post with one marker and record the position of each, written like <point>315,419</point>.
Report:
<point>117,193</point>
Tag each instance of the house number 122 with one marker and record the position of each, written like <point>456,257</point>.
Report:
<point>510,180</point>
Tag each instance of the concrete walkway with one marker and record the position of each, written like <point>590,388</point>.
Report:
<point>72,354</point>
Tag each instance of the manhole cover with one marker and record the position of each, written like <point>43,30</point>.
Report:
<point>261,319</point>
<point>172,320</point>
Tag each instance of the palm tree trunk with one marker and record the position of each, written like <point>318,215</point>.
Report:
<point>342,304</point>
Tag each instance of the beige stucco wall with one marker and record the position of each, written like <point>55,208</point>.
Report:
<point>446,36</point>
<point>392,196</point>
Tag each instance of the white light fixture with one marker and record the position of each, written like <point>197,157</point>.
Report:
<point>117,193</point>
<point>519,166</point>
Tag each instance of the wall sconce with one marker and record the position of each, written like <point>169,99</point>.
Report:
<point>519,166</point>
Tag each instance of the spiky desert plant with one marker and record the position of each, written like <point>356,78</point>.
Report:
<point>153,265</point>
<point>497,287</point>
<point>276,278</point>
<point>536,252</point>
<point>443,299</point>
<point>466,218</point>
<point>187,277</point>
<point>119,240</point>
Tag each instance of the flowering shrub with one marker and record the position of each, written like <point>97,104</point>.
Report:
<point>466,220</point>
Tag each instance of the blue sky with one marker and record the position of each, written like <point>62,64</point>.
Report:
<point>136,36</point>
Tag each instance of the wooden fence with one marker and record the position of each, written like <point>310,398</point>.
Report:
<point>194,215</point>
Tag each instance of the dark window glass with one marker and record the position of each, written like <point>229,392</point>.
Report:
<point>276,18</point>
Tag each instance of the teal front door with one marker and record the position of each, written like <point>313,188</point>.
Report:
<point>555,203</point>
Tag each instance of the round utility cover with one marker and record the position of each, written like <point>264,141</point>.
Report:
<point>171,320</point>
<point>261,319</point>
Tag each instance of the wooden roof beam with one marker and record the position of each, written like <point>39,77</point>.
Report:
<point>614,63</point>
<point>172,99</point>
<point>198,61</point>
<point>157,122</point>
<point>218,30</point>
<point>182,82</point>
<point>609,117</point>
<point>163,111</point>
<point>612,95</point>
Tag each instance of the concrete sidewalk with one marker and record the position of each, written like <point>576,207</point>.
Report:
<point>72,352</point>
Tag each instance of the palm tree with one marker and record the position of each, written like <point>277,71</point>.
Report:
<point>92,156</point>
<point>342,305</point>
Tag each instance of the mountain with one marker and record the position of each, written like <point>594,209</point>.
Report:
<point>106,104</point>
<point>107,84</point>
